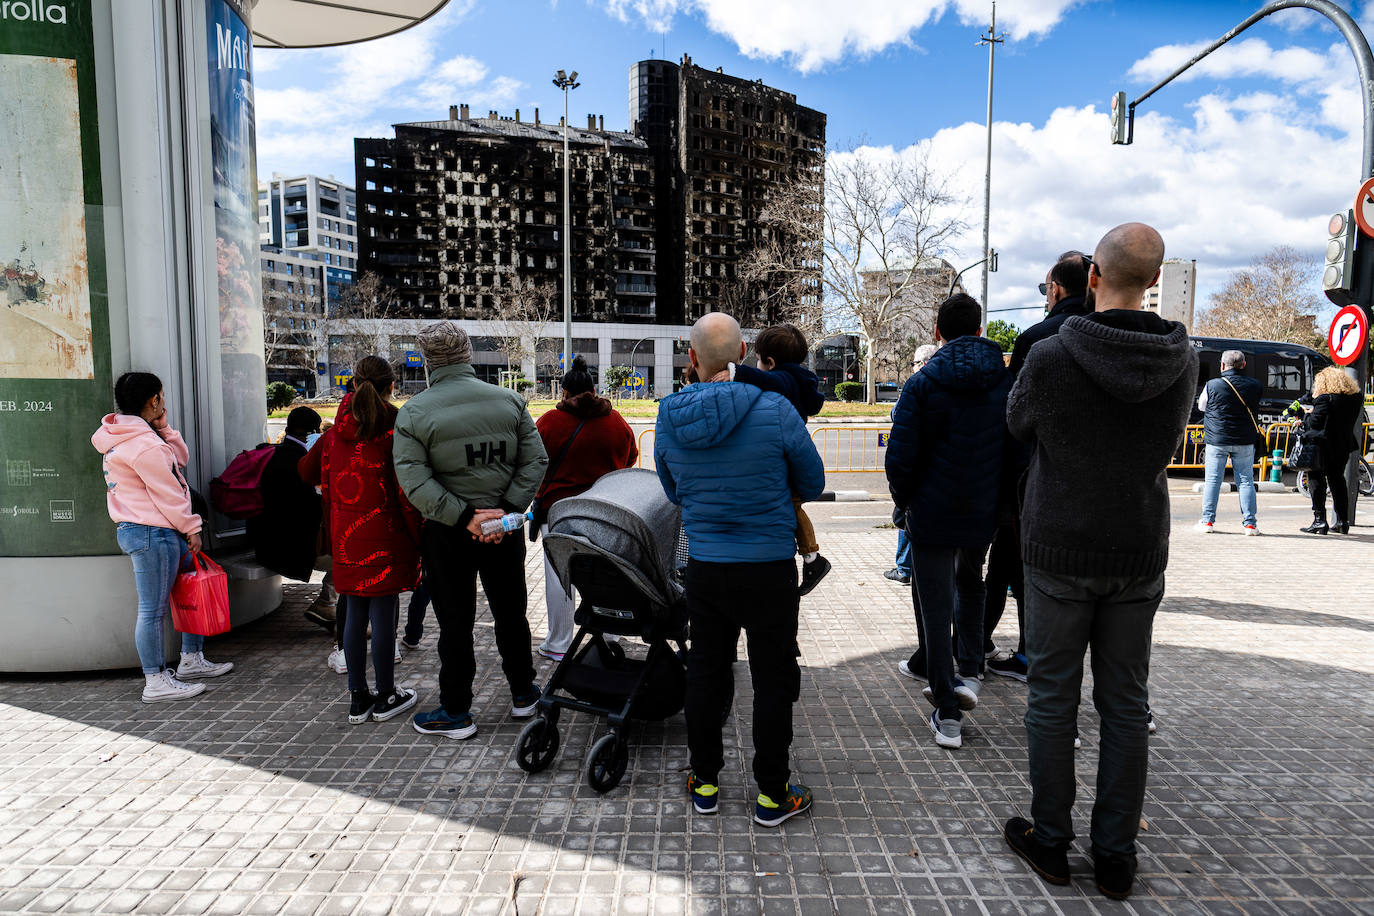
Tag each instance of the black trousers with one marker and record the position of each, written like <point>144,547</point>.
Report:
<point>1004,570</point>
<point>453,561</point>
<point>761,599</point>
<point>1332,474</point>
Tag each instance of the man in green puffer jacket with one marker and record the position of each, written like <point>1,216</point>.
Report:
<point>467,451</point>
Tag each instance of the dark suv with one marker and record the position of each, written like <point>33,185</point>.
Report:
<point>1285,371</point>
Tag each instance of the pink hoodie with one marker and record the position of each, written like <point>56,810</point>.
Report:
<point>143,478</point>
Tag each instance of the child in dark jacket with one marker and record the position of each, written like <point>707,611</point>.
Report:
<point>780,350</point>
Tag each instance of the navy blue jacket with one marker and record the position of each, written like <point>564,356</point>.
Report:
<point>733,456</point>
<point>949,444</point>
<point>1226,421</point>
<point>791,380</point>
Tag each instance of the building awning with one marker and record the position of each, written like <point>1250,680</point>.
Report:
<point>324,23</point>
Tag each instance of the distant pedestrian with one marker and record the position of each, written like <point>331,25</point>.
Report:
<point>734,457</point>
<point>1065,290</point>
<point>780,350</point>
<point>374,534</point>
<point>901,572</point>
<point>585,439</point>
<point>1336,406</point>
<point>1229,405</point>
<point>286,534</point>
<point>1103,404</point>
<point>150,502</point>
<point>466,452</point>
<point>944,468</point>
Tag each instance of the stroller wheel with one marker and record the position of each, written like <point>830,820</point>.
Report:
<point>606,762</point>
<point>538,745</point>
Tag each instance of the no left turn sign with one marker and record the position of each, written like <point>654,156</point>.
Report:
<point>1348,334</point>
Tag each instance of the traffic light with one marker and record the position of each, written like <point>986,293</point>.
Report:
<point>1120,120</point>
<point>992,260</point>
<point>1339,273</point>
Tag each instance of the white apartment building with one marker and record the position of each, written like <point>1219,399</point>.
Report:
<point>1172,296</point>
<point>310,214</point>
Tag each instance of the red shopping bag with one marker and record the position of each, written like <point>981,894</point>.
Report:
<point>200,599</point>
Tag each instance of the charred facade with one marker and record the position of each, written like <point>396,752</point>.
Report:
<point>456,214</point>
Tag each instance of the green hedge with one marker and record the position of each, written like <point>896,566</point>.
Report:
<point>280,395</point>
<point>850,391</point>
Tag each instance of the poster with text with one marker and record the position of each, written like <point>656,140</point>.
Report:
<point>55,368</point>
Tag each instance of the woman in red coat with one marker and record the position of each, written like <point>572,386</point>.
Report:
<point>601,442</point>
<point>374,536</point>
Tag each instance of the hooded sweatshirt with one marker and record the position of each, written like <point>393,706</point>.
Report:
<point>605,443</point>
<point>143,480</point>
<point>1104,404</point>
<point>733,456</point>
<point>949,444</point>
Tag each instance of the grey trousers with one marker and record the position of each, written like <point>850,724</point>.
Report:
<point>1065,616</point>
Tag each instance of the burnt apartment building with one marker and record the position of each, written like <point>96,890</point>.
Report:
<point>457,215</point>
<point>722,146</point>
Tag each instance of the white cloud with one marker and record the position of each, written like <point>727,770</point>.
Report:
<point>311,104</point>
<point>1238,177</point>
<point>812,33</point>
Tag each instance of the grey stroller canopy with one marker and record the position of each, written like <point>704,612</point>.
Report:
<point>626,519</point>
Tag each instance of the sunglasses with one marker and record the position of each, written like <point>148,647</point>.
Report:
<point>1087,262</point>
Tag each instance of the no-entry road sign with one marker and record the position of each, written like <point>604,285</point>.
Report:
<point>1348,335</point>
<point>1364,207</point>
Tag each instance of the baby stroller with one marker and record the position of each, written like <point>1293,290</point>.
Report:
<point>616,544</point>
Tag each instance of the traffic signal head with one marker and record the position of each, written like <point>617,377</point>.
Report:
<point>1339,271</point>
<point>1120,119</point>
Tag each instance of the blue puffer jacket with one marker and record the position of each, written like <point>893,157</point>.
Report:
<point>733,456</point>
<point>949,443</point>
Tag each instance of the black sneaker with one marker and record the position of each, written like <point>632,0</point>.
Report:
<point>394,703</point>
<point>897,575</point>
<point>1049,862</point>
<point>1014,666</point>
<point>1114,876</point>
<point>812,574</point>
<point>527,704</point>
<point>360,710</point>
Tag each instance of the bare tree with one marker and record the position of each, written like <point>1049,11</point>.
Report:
<point>359,326</point>
<point>289,332</point>
<point>872,258</point>
<point>1275,298</point>
<point>520,318</point>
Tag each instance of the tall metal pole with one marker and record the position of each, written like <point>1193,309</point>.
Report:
<point>992,40</point>
<point>567,243</point>
<point>1364,246</point>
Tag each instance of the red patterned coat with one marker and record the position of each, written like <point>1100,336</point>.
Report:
<point>374,532</point>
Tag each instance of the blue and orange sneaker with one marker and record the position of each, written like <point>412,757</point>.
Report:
<point>705,797</point>
<point>771,813</point>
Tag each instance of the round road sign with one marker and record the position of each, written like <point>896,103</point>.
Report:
<point>1348,335</point>
<point>1364,208</point>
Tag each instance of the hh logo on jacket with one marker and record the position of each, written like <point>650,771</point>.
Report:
<point>486,453</point>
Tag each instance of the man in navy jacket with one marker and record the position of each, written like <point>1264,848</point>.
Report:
<point>732,456</point>
<point>944,468</point>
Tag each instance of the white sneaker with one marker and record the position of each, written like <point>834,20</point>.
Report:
<point>904,668</point>
<point>967,690</point>
<point>336,661</point>
<point>196,665</point>
<point>164,686</point>
<point>1205,528</point>
<point>948,732</point>
<point>1251,531</point>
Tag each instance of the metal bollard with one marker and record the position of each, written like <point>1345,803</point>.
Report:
<point>1276,467</point>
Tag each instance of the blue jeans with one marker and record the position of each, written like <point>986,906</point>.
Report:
<point>1065,616</point>
<point>903,552</point>
<point>158,555</point>
<point>380,612</point>
<point>1242,464</point>
<point>948,586</point>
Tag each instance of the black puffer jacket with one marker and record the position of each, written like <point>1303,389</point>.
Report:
<point>1227,420</point>
<point>949,443</point>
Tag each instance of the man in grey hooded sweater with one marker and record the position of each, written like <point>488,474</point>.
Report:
<point>1103,405</point>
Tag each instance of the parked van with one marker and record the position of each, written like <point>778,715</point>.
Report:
<point>1285,371</point>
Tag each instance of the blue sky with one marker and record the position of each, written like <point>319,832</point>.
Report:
<point>1255,150</point>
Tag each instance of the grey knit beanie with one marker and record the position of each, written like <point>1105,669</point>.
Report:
<point>445,344</point>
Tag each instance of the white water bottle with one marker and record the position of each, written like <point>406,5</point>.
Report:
<point>512,521</point>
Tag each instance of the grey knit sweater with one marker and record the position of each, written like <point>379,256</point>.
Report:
<point>1103,404</point>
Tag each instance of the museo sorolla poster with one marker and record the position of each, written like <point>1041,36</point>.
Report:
<point>45,299</point>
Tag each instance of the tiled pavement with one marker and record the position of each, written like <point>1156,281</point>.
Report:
<point>259,798</point>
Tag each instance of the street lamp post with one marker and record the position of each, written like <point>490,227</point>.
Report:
<point>1364,247</point>
<point>567,82</point>
<point>992,40</point>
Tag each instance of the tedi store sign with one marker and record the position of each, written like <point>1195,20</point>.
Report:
<point>33,11</point>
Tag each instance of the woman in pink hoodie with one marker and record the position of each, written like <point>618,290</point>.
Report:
<point>150,501</point>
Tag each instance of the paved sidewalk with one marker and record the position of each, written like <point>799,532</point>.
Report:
<point>259,798</point>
